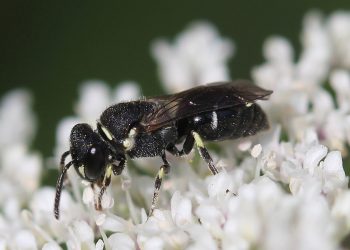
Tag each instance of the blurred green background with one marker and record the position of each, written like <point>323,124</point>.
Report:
<point>50,47</point>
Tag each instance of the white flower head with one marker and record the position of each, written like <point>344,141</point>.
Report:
<point>93,100</point>
<point>338,27</point>
<point>340,82</point>
<point>198,56</point>
<point>17,121</point>
<point>127,91</point>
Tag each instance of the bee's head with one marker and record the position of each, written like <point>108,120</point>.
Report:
<point>91,156</point>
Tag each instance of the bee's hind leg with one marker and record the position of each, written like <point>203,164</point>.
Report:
<point>192,138</point>
<point>204,152</point>
<point>186,147</point>
<point>164,169</point>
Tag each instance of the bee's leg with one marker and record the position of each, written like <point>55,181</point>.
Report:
<point>204,153</point>
<point>104,183</point>
<point>118,169</point>
<point>186,147</point>
<point>172,149</point>
<point>164,169</point>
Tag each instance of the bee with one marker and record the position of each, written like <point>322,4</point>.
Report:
<point>153,126</point>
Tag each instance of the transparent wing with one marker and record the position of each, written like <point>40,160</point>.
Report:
<point>211,97</point>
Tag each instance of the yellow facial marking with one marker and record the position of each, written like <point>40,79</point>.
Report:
<point>107,133</point>
<point>81,170</point>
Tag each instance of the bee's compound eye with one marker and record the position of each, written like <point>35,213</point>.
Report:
<point>95,163</point>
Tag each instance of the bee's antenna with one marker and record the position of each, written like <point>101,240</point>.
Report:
<point>59,184</point>
<point>63,158</point>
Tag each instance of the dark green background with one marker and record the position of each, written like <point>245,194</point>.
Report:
<point>51,47</point>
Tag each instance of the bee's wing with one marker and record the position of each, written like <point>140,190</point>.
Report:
<point>200,99</point>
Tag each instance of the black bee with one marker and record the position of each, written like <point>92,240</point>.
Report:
<point>149,127</point>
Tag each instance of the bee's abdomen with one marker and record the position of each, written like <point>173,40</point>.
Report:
<point>230,123</point>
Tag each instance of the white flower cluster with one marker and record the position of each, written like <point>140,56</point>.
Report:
<point>300,100</point>
<point>269,194</point>
<point>20,168</point>
<point>199,55</point>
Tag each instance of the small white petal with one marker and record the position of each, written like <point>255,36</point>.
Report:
<point>88,195</point>
<point>313,156</point>
<point>120,241</point>
<point>333,164</point>
<point>99,245</point>
<point>219,184</point>
<point>153,243</point>
<point>256,150</point>
<point>25,240</point>
<point>3,244</point>
<point>100,219</point>
<point>278,50</point>
<point>83,231</point>
<point>29,164</point>
<point>295,185</point>
<point>127,91</point>
<point>62,135</point>
<point>340,81</point>
<point>114,224</point>
<point>94,98</point>
<point>244,145</point>
<point>51,246</point>
<point>341,208</point>
<point>181,209</point>
<point>107,201</point>
<point>17,123</point>
<point>210,214</point>
<point>201,239</point>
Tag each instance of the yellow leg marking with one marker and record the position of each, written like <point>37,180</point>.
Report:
<point>161,173</point>
<point>108,173</point>
<point>198,139</point>
<point>157,185</point>
<point>204,153</point>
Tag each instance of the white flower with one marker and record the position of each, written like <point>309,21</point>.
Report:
<point>17,122</point>
<point>340,82</point>
<point>93,100</point>
<point>340,211</point>
<point>25,240</point>
<point>51,246</point>
<point>121,242</point>
<point>256,150</point>
<point>338,26</point>
<point>126,92</point>
<point>199,55</point>
<point>81,236</point>
<point>181,210</point>
<point>300,101</point>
